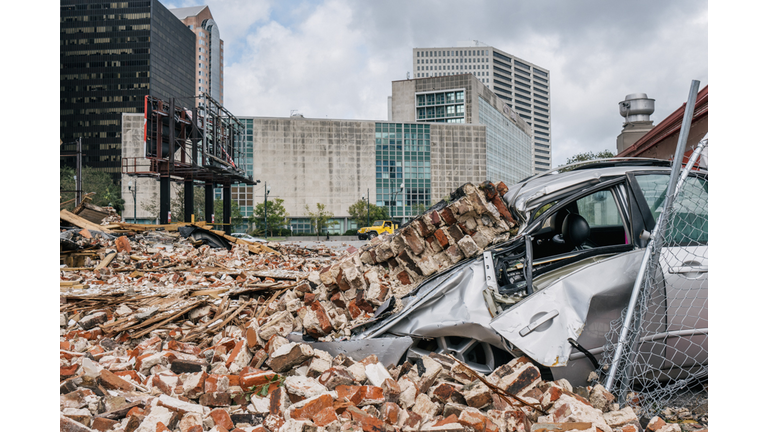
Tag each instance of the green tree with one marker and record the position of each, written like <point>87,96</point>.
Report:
<point>319,218</point>
<point>106,192</point>
<point>277,216</point>
<point>359,212</point>
<point>588,156</point>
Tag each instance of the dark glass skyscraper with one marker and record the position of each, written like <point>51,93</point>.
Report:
<point>112,55</point>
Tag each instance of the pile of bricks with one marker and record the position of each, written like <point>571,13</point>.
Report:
<point>164,335</point>
<point>393,265</point>
<point>256,381</point>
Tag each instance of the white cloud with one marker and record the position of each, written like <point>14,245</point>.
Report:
<point>337,58</point>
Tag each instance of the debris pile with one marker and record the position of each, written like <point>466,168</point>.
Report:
<point>393,265</point>
<point>256,380</point>
<point>162,332</point>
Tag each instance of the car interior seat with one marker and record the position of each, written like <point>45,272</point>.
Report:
<point>576,231</point>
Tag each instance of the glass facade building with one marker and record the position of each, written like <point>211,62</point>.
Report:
<point>111,56</point>
<point>403,159</point>
<point>508,148</point>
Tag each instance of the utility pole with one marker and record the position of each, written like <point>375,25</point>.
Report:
<point>132,186</point>
<point>368,195</point>
<point>266,192</point>
<point>79,173</point>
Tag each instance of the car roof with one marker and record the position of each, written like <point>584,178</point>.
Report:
<point>533,190</point>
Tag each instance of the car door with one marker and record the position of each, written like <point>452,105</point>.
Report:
<point>684,262</point>
<point>578,301</point>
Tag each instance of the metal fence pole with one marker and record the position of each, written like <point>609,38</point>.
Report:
<point>671,190</point>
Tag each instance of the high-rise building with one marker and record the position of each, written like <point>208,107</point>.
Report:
<point>209,50</point>
<point>112,55</point>
<point>524,86</point>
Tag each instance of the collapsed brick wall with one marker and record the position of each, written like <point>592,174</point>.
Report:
<point>393,265</point>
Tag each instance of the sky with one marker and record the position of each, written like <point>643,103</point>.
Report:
<point>338,58</point>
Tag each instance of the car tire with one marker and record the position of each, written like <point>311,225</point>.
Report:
<point>482,357</point>
<point>372,234</point>
<point>361,237</point>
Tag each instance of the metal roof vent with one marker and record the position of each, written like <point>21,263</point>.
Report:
<point>637,107</point>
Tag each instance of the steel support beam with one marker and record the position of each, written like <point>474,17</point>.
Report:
<point>227,209</point>
<point>165,200</point>
<point>209,202</point>
<point>189,200</point>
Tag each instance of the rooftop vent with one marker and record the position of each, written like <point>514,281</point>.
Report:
<point>636,107</point>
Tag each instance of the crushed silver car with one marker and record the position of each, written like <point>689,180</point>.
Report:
<point>553,290</point>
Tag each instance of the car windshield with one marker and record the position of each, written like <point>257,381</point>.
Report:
<point>378,222</point>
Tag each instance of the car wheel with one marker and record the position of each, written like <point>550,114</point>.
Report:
<point>372,234</point>
<point>480,356</point>
<point>361,237</point>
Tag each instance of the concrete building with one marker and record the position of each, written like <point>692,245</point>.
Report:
<point>406,164</point>
<point>112,55</point>
<point>464,99</point>
<point>209,50</point>
<point>524,86</point>
<point>337,162</point>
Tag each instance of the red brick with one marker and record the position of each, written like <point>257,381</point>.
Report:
<point>136,411</point>
<point>219,399</point>
<point>501,188</point>
<point>239,346</point>
<point>113,382</point>
<point>434,217</point>
<point>448,420</point>
<point>447,216</point>
<point>390,412</point>
<point>413,240</point>
<point>313,407</point>
<point>256,378</point>
<point>351,393</point>
<point>367,421</point>
<point>335,377</point>
<point>325,417</point>
<point>337,300</point>
<point>354,311</point>
<point>322,317</point>
<point>441,238</point>
<point>477,422</point>
<point>251,338</point>
<point>103,424</point>
<point>221,418</point>
<point>183,347</point>
<point>154,343</point>
<point>404,278</point>
<point>122,244</point>
<point>67,371</point>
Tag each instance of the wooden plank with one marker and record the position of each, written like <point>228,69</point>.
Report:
<point>81,222</point>
<point>105,262</point>
<point>208,292</point>
<point>166,321</point>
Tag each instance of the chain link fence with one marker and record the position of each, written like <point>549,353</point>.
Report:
<point>662,359</point>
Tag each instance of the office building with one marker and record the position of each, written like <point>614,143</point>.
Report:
<point>209,50</point>
<point>112,55</point>
<point>465,99</point>
<point>524,86</point>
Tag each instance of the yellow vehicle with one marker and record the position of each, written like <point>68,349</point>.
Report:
<point>379,227</point>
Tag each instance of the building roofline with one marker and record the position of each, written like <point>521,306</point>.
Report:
<point>670,125</point>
